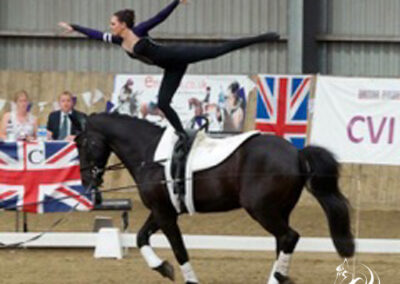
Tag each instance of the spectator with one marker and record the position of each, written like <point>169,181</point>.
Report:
<point>19,124</point>
<point>65,123</point>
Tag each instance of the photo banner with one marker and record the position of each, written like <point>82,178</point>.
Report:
<point>221,99</point>
<point>358,119</point>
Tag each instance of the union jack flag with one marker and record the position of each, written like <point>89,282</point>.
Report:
<point>41,177</point>
<point>282,103</point>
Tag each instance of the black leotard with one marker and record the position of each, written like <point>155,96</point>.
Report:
<point>174,59</point>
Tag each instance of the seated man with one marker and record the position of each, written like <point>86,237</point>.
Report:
<point>65,123</point>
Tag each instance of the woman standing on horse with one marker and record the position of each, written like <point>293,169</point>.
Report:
<point>174,59</point>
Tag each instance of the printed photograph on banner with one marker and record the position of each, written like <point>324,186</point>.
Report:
<point>282,106</point>
<point>219,99</point>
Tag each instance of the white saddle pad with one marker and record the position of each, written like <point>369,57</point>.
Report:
<point>205,153</point>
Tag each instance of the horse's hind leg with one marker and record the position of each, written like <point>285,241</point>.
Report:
<point>286,238</point>
<point>168,224</point>
<point>153,261</point>
<point>286,244</point>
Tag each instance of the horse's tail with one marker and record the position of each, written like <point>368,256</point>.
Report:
<point>322,170</point>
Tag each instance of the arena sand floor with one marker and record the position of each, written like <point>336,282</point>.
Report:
<point>79,265</point>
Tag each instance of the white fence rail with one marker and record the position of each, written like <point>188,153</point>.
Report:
<point>88,240</point>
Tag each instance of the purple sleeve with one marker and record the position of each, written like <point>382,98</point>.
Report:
<point>95,34</point>
<point>143,28</point>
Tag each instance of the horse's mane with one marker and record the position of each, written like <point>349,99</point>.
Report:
<point>100,122</point>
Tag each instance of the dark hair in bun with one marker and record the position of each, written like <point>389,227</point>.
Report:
<point>126,16</point>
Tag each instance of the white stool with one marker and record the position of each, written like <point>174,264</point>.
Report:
<point>108,244</point>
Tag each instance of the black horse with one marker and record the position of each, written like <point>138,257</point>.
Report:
<point>266,177</point>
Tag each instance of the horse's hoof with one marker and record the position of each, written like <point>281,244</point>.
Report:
<point>283,279</point>
<point>191,282</point>
<point>166,270</point>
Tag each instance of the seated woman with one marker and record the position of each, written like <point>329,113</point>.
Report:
<point>19,124</point>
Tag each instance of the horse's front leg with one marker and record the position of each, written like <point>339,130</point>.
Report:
<point>143,243</point>
<point>168,224</point>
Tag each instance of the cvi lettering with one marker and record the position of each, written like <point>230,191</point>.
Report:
<point>376,130</point>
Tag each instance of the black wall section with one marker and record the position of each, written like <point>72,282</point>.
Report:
<point>312,20</point>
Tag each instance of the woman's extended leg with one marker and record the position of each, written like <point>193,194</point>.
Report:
<point>186,54</point>
<point>170,83</point>
<point>175,58</point>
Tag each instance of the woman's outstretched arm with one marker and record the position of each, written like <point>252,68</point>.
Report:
<point>91,33</point>
<point>143,28</point>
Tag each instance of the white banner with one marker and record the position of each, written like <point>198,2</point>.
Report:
<point>358,119</point>
<point>222,99</point>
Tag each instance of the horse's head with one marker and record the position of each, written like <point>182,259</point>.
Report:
<point>93,155</point>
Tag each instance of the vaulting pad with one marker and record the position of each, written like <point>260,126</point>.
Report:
<point>205,153</point>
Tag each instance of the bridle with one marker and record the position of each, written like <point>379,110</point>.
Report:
<point>96,171</point>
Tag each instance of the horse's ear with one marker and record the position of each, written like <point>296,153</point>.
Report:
<point>75,122</point>
<point>78,137</point>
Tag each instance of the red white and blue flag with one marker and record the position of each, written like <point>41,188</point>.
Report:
<point>41,177</point>
<point>282,103</point>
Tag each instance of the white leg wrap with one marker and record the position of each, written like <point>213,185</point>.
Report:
<point>272,279</point>
<point>188,273</point>
<point>151,258</point>
<point>283,263</point>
